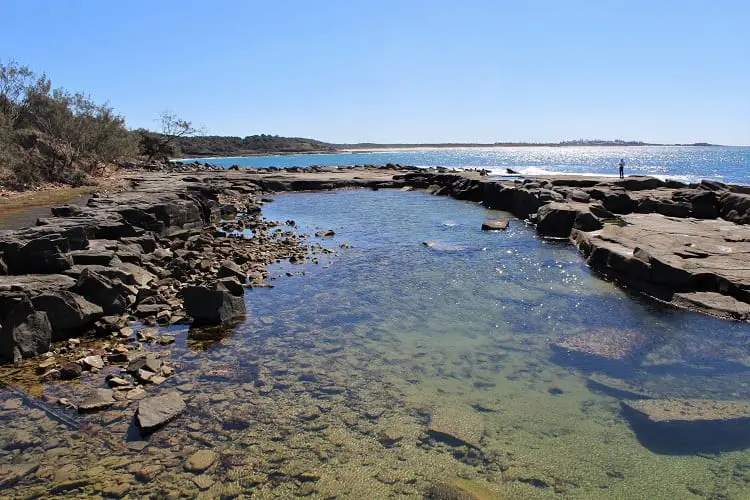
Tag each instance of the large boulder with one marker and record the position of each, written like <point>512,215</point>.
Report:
<point>735,207</point>
<point>614,200</point>
<point>109,294</point>
<point>24,332</point>
<point>216,303</point>
<point>43,255</point>
<point>703,204</point>
<point>556,219</point>
<point>68,313</point>
<point>559,219</point>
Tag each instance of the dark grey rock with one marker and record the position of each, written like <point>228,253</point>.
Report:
<point>156,411</point>
<point>110,295</point>
<point>43,255</point>
<point>70,371</point>
<point>25,332</point>
<point>230,269</point>
<point>97,400</point>
<point>67,312</point>
<point>213,304</point>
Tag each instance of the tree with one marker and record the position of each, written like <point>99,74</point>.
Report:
<point>15,83</point>
<point>55,135</point>
<point>163,145</point>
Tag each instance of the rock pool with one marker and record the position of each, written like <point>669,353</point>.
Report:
<point>488,364</point>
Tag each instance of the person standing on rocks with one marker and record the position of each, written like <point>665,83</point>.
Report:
<point>621,166</point>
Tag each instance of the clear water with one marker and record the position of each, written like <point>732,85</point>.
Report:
<point>686,163</point>
<point>365,346</point>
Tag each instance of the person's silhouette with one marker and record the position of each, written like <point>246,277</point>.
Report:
<point>621,165</point>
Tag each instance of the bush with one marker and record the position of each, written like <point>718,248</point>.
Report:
<point>55,135</point>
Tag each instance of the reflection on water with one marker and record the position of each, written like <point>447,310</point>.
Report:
<point>395,369</point>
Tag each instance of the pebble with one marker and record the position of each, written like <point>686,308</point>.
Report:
<point>94,362</point>
<point>203,482</point>
<point>13,404</point>
<point>200,461</point>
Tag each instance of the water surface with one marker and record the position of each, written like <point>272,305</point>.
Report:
<point>686,163</point>
<point>329,387</point>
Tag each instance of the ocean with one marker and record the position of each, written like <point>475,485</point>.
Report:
<point>685,163</point>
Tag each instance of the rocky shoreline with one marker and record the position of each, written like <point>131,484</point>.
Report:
<point>172,248</point>
<point>181,248</point>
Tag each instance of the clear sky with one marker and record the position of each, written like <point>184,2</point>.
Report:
<point>403,70</point>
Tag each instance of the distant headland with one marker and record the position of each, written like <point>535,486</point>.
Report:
<point>263,144</point>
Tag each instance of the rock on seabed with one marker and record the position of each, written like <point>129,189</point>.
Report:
<point>158,410</point>
<point>687,410</point>
<point>603,344</point>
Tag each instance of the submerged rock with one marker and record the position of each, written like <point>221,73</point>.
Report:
<point>605,344</point>
<point>200,461</point>
<point>687,410</point>
<point>495,225</point>
<point>616,387</point>
<point>456,427</point>
<point>158,410</point>
<point>98,400</point>
<point>674,426</point>
<point>459,489</point>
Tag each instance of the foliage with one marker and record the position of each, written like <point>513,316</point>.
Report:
<point>162,146</point>
<point>55,135</point>
<point>219,145</point>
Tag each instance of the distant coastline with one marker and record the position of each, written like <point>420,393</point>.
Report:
<point>313,147</point>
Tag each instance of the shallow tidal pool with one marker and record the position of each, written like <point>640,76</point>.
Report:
<point>392,368</point>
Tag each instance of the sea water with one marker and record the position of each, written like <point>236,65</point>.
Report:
<point>685,163</point>
<point>334,383</point>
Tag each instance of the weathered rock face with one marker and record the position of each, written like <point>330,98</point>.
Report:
<point>735,207</point>
<point>696,264</point>
<point>43,255</point>
<point>156,411</point>
<point>110,295</point>
<point>25,332</point>
<point>558,219</point>
<point>217,303</point>
<point>67,312</point>
<point>230,269</point>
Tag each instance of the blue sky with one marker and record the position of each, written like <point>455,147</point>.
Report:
<point>403,71</point>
